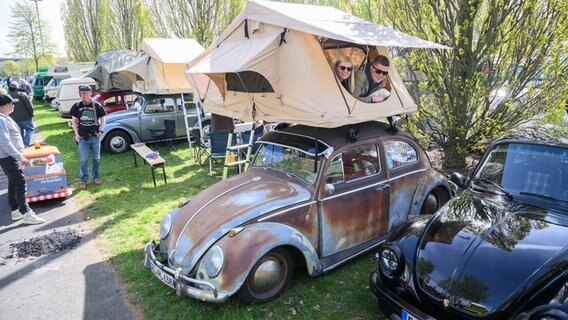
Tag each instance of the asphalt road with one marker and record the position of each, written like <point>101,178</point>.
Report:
<point>75,283</point>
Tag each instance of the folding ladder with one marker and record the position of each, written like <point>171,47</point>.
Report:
<point>233,155</point>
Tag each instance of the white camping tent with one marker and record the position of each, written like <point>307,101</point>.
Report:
<point>160,66</point>
<point>104,71</point>
<point>273,63</point>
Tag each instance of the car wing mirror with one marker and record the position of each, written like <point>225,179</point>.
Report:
<point>329,189</point>
<point>458,179</point>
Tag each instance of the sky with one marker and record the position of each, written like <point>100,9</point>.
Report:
<point>49,10</point>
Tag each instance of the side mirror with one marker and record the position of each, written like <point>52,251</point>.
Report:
<point>458,179</point>
<point>329,189</point>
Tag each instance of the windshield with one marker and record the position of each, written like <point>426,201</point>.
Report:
<point>287,159</point>
<point>527,169</point>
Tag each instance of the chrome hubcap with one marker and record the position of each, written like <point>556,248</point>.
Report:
<point>267,275</point>
<point>117,143</point>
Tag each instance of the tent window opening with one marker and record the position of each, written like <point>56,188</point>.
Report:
<point>360,82</point>
<point>248,81</point>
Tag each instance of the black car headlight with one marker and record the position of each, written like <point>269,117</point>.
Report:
<point>391,261</point>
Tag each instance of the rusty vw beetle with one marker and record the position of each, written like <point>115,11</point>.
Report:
<point>313,198</point>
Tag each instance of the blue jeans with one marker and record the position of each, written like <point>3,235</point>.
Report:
<point>85,146</point>
<point>26,130</point>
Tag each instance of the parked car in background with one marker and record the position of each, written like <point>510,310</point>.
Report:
<point>145,121</point>
<point>114,101</point>
<point>40,80</point>
<point>498,250</point>
<point>50,90</point>
<point>313,198</point>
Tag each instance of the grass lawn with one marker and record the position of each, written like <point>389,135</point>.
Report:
<point>127,209</point>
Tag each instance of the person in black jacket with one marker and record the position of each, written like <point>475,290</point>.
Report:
<point>23,113</point>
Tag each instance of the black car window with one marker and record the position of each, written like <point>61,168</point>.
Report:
<point>399,154</point>
<point>527,168</point>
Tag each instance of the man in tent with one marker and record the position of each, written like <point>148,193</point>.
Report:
<point>370,81</point>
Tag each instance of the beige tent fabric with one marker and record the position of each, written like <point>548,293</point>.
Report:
<point>160,66</point>
<point>306,90</point>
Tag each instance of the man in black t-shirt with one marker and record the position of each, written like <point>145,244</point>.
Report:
<point>88,122</point>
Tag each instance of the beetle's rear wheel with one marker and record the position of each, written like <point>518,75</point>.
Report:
<point>434,201</point>
<point>268,277</point>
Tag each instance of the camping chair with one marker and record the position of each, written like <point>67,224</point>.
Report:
<point>218,147</point>
<point>168,133</point>
<point>202,144</point>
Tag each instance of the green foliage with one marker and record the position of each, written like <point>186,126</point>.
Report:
<point>130,23</point>
<point>87,28</point>
<point>489,82</point>
<point>202,20</point>
<point>11,68</point>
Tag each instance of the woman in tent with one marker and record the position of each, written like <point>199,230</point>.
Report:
<point>343,69</point>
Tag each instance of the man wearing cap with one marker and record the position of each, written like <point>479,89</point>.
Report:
<point>23,113</point>
<point>12,162</point>
<point>88,121</point>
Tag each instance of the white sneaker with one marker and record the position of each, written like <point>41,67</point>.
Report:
<point>31,218</point>
<point>16,215</point>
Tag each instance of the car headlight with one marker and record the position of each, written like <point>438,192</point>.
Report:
<point>391,261</point>
<point>165,226</point>
<point>213,261</point>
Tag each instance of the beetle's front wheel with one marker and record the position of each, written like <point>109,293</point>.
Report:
<point>268,277</point>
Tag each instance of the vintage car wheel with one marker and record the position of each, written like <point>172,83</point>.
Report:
<point>268,277</point>
<point>117,142</point>
<point>434,201</point>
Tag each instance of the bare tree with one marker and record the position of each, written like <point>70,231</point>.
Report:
<point>202,20</point>
<point>507,65</point>
<point>25,36</point>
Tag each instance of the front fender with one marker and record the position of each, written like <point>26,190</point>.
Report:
<point>242,251</point>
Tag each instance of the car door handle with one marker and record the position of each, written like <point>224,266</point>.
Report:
<point>383,186</point>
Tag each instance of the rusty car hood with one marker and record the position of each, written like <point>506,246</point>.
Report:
<point>228,204</point>
<point>479,252</point>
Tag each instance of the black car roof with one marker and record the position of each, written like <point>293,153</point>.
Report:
<point>337,137</point>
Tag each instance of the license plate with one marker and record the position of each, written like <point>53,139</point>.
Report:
<point>408,316</point>
<point>164,277</point>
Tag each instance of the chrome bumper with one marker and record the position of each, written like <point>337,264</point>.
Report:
<point>181,282</point>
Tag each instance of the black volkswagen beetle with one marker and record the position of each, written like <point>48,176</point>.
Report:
<point>499,250</point>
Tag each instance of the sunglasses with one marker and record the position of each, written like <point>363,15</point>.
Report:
<point>378,71</point>
<point>343,68</point>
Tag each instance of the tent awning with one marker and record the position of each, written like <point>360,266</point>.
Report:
<point>233,56</point>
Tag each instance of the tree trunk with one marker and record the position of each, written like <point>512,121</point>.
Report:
<point>453,159</point>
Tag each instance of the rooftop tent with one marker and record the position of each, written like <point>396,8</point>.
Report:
<point>104,71</point>
<point>160,65</point>
<point>273,63</point>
